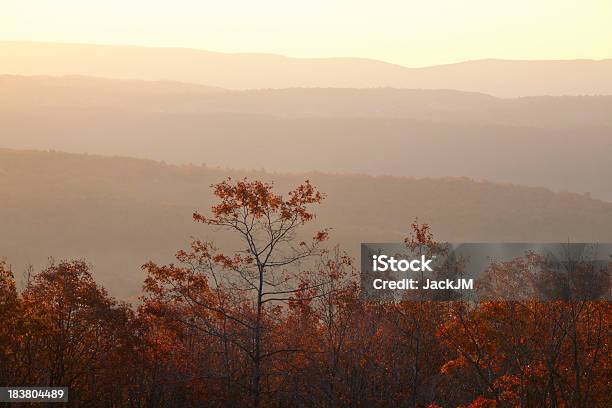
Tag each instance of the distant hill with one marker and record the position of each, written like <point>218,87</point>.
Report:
<point>78,92</point>
<point>28,92</point>
<point>575,159</point>
<point>120,212</point>
<point>255,71</point>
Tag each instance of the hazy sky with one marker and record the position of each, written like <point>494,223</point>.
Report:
<point>407,32</point>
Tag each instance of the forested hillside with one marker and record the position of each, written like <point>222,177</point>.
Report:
<point>442,105</point>
<point>117,213</point>
<point>562,143</point>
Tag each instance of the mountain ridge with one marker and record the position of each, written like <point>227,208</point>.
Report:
<point>507,78</point>
<point>432,104</point>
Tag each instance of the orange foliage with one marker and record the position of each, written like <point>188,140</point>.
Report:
<point>280,323</point>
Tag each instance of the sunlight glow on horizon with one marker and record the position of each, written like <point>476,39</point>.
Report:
<point>403,32</point>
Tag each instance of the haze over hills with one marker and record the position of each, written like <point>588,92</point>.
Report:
<point>507,78</point>
<point>119,212</point>
<point>562,143</point>
<point>78,92</point>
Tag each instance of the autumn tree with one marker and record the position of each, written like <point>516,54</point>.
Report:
<point>237,297</point>
<point>323,325</point>
<point>415,320</point>
<point>74,330</point>
<point>10,306</point>
<point>527,351</point>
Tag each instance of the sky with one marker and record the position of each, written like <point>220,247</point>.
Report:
<point>405,32</point>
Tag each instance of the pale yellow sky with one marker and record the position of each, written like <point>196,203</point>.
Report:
<point>407,32</point>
